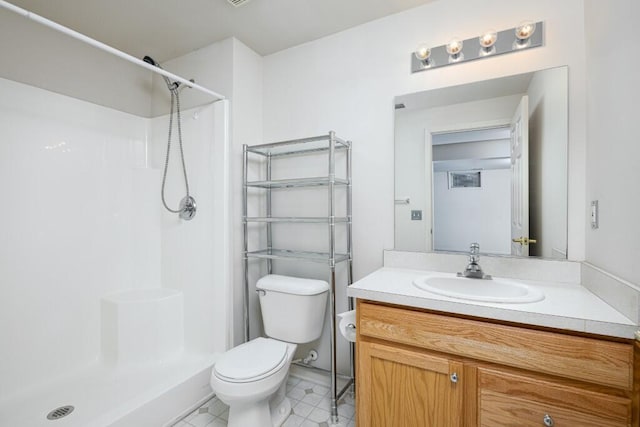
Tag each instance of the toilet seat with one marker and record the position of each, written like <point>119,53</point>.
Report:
<point>251,361</point>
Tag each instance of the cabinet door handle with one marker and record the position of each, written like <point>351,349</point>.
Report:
<point>454,377</point>
<point>547,420</point>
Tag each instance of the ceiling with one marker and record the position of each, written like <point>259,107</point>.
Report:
<point>168,29</point>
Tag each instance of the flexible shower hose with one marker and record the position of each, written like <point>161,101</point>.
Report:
<point>175,100</point>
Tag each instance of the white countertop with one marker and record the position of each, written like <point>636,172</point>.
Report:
<point>565,306</point>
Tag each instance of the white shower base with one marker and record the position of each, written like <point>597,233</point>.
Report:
<point>151,395</point>
<point>144,377</point>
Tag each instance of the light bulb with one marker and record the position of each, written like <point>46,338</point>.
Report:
<point>423,52</point>
<point>488,39</point>
<point>525,30</point>
<point>454,47</point>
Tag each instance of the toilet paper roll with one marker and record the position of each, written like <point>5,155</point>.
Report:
<point>347,325</point>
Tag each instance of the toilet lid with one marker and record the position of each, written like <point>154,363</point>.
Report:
<point>251,361</point>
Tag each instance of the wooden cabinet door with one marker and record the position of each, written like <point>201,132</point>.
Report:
<point>404,388</point>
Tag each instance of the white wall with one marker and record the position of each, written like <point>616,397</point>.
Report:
<point>472,115</point>
<point>347,82</point>
<point>412,180</point>
<point>235,71</point>
<point>548,129</point>
<point>246,119</point>
<point>612,122</point>
<point>211,67</point>
<point>465,215</point>
<point>41,57</point>
<point>489,149</point>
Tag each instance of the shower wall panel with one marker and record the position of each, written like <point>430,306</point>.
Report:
<point>80,220</point>
<point>195,254</point>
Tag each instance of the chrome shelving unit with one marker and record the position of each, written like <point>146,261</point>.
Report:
<point>328,144</point>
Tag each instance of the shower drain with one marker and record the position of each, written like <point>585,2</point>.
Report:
<point>60,412</point>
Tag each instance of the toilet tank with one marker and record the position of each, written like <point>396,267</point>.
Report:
<point>292,308</point>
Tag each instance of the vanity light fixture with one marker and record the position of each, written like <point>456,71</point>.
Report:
<point>526,35</point>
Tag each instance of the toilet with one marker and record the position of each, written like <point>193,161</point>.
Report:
<point>251,378</point>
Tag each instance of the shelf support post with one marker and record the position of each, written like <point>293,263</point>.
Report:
<point>269,235</point>
<point>245,259</point>
<point>332,265</point>
<point>352,354</point>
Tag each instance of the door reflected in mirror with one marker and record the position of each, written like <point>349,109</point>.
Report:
<point>484,162</point>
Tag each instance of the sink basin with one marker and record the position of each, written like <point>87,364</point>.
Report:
<point>493,290</point>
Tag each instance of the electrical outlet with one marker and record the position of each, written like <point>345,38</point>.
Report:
<point>416,215</point>
<point>594,215</point>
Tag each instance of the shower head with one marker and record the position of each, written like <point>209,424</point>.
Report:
<point>170,85</point>
<point>149,60</point>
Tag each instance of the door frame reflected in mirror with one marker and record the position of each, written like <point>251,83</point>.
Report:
<point>548,105</point>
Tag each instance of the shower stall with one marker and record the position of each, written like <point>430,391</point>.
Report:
<point>112,309</point>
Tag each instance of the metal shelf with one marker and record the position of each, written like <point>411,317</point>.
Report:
<point>314,144</point>
<point>308,220</point>
<point>298,182</point>
<point>329,144</point>
<point>286,254</point>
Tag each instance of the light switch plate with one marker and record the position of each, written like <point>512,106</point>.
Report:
<point>594,214</point>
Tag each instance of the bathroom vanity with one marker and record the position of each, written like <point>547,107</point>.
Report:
<point>428,360</point>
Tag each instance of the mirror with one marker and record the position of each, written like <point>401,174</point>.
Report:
<point>484,162</point>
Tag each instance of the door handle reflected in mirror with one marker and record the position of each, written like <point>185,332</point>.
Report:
<point>524,241</point>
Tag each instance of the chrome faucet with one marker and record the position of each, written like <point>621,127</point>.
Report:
<point>473,269</point>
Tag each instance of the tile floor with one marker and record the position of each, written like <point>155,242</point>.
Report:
<point>310,401</point>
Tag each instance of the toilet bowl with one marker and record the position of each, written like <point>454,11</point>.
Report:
<point>251,378</point>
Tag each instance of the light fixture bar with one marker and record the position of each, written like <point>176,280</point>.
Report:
<point>506,42</point>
